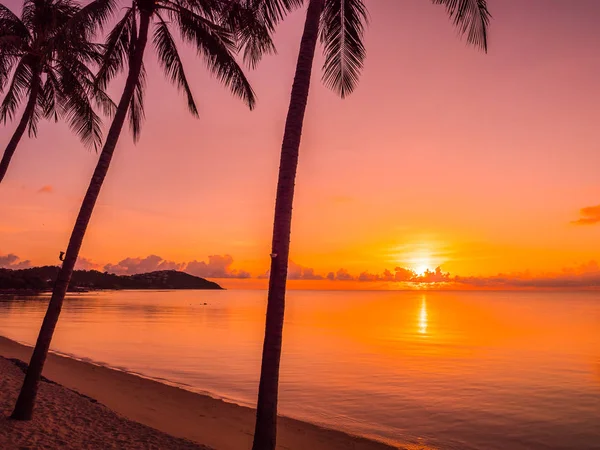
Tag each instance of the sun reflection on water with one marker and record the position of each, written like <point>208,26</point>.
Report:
<point>423,317</point>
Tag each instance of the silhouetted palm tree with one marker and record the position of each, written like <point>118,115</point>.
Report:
<point>215,28</point>
<point>48,52</point>
<point>340,25</point>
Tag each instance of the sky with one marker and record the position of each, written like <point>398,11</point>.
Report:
<point>481,164</point>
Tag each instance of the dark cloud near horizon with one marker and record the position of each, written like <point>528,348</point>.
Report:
<point>404,275</point>
<point>12,261</point>
<point>86,264</point>
<point>583,276</point>
<point>218,266</point>
<point>131,266</point>
<point>297,272</point>
<point>590,215</point>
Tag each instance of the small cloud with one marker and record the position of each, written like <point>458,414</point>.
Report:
<point>583,276</point>
<point>86,264</point>
<point>12,261</point>
<point>343,275</point>
<point>218,266</point>
<point>130,266</point>
<point>590,215</point>
<point>45,189</point>
<point>297,272</point>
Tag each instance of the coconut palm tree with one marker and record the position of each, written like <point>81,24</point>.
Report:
<point>340,26</point>
<point>215,28</point>
<point>48,52</point>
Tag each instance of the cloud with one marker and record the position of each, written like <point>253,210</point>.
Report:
<point>343,275</point>
<point>46,189</point>
<point>218,266</point>
<point>401,274</point>
<point>297,272</point>
<point>12,261</point>
<point>590,215</point>
<point>130,266</point>
<point>86,264</point>
<point>583,276</point>
<point>435,276</point>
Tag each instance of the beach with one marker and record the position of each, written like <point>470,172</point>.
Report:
<point>97,407</point>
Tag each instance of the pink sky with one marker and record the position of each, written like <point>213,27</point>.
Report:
<point>443,156</point>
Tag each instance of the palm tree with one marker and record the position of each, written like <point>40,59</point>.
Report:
<point>48,52</point>
<point>340,25</point>
<point>215,29</point>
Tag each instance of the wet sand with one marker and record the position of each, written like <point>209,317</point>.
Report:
<point>135,412</point>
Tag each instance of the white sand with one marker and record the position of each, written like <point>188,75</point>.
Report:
<point>64,419</point>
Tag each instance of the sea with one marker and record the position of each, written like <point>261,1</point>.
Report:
<point>440,370</point>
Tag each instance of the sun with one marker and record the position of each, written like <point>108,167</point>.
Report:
<point>421,268</point>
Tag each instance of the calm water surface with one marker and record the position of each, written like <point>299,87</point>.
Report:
<point>449,370</point>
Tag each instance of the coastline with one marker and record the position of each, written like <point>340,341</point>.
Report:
<point>180,413</point>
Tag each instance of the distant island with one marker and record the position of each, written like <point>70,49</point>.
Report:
<point>41,279</point>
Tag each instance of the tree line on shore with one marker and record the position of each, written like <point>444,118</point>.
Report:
<point>52,68</point>
<point>41,279</point>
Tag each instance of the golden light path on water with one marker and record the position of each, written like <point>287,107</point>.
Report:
<point>423,316</point>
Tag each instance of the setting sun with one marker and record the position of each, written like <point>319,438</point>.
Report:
<point>421,269</point>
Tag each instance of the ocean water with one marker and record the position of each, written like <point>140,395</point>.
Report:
<point>448,370</point>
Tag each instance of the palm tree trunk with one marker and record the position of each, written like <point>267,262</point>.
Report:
<point>24,407</point>
<point>18,134</point>
<point>265,433</point>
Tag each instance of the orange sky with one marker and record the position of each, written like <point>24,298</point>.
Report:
<point>443,156</point>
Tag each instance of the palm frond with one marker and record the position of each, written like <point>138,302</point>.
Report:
<point>136,106</point>
<point>217,45</point>
<point>28,14</point>
<point>208,9</point>
<point>20,83</point>
<point>14,38</point>
<point>77,109</point>
<point>342,32</point>
<point>251,30</point>
<point>273,11</point>
<point>117,48</point>
<point>170,61</point>
<point>34,119</point>
<point>10,24</point>
<point>472,19</point>
<point>90,18</point>
<point>47,101</point>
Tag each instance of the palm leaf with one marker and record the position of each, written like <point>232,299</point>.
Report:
<point>90,18</point>
<point>471,17</point>
<point>216,44</point>
<point>136,106</point>
<point>47,101</point>
<point>117,48</point>
<point>77,109</point>
<point>20,83</point>
<point>273,11</point>
<point>170,61</point>
<point>342,31</point>
<point>251,30</point>
<point>86,78</point>
<point>10,24</point>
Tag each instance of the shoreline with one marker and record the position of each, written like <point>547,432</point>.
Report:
<point>178,412</point>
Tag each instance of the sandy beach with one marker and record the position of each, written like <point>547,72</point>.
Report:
<point>134,412</point>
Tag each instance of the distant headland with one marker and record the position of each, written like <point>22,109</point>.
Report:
<point>41,279</point>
